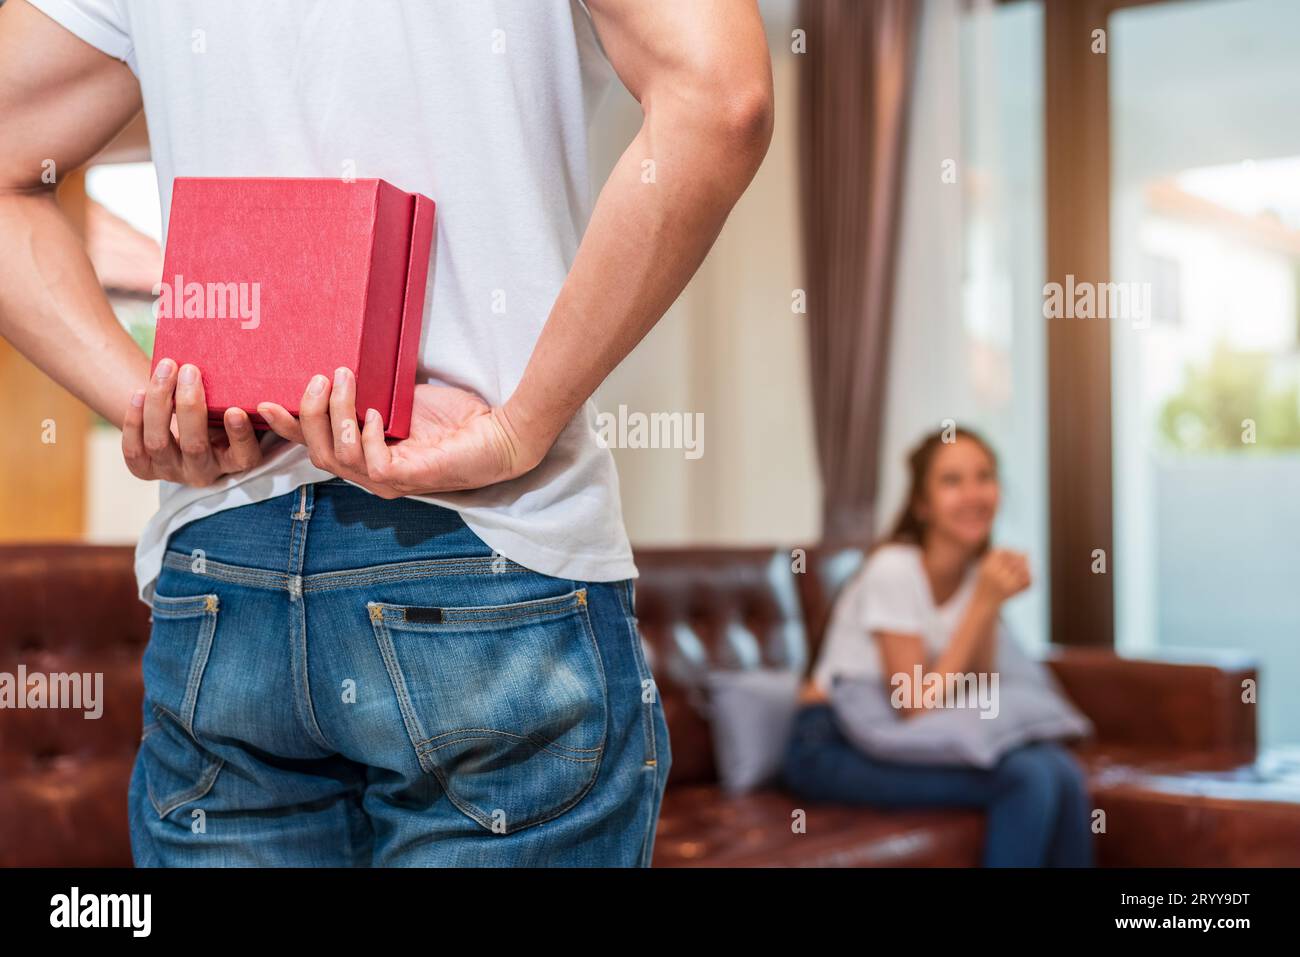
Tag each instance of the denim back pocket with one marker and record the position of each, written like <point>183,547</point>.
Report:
<point>505,704</point>
<point>177,768</point>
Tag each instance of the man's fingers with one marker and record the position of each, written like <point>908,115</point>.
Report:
<point>244,451</point>
<point>192,421</point>
<point>314,420</point>
<point>343,419</point>
<point>133,451</point>
<point>378,456</point>
<point>281,421</point>
<point>159,443</point>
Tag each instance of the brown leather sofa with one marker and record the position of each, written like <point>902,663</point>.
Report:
<point>1174,767</point>
<point>69,608</point>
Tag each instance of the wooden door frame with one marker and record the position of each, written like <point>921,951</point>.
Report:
<point>1077,161</point>
<point>1076,153</point>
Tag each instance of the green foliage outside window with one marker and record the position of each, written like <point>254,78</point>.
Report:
<point>1221,397</point>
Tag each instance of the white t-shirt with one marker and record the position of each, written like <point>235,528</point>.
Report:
<point>891,592</point>
<point>483,107</point>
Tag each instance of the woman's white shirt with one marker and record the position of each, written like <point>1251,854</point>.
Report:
<point>891,593</point>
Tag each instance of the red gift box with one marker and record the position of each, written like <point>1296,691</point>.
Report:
<point>267,282</point>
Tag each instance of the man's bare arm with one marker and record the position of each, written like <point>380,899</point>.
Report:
<point>61,101</point>
<point>703,77</point>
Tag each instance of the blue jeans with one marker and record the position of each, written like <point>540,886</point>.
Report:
<point>1036,796</point>
<point>336,679</point>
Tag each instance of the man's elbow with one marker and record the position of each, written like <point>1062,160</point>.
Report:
<point>746,115</point>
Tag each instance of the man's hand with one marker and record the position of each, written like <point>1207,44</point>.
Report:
<point>457,441</point>
<point>166,434</point>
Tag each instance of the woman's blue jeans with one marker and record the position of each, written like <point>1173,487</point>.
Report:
<point>1039,812</point>
<point>336,679</point>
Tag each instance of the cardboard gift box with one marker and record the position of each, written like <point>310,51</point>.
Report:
<point>267,282</point>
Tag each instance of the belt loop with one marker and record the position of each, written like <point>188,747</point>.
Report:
<point>304,498</point>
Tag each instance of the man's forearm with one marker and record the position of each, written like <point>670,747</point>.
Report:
<point>54,311</point>
<point>656,218</point>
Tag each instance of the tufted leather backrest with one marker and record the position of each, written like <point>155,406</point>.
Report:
<point>703,608</point>
<point>69,609</point>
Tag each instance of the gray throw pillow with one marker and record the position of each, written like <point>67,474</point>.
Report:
<point>751,715</point>
<point>1028,706</point>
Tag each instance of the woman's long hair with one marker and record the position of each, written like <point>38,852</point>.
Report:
<point>908,527</point>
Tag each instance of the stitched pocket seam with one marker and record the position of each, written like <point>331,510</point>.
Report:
<point>464,734</point>
<point>211,768</point>
<point>203,609</point>
<point>451,615</point>
<point>543,745</point>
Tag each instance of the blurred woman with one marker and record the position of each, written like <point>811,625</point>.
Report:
<point>930,596</point>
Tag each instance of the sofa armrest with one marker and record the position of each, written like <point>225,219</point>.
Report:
<point>1184,701</point>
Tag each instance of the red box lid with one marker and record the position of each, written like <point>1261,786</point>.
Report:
<point>269,281</point>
